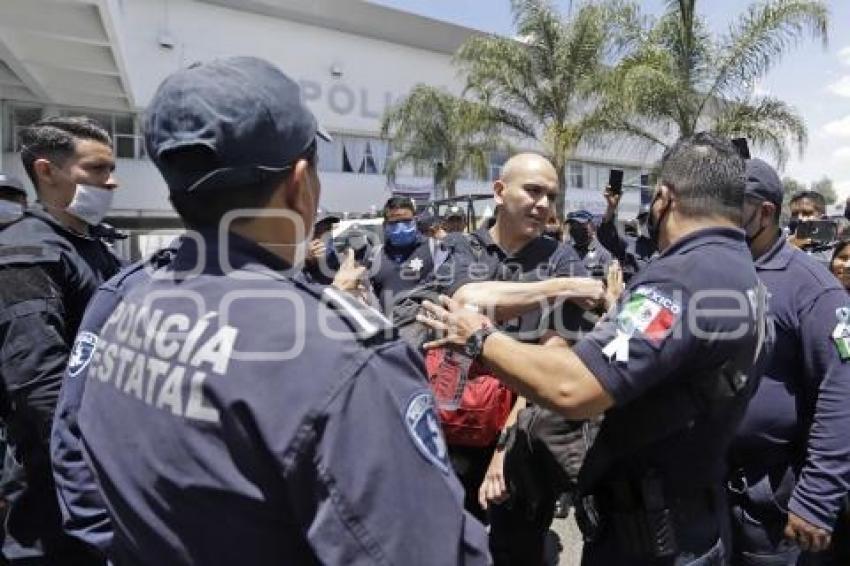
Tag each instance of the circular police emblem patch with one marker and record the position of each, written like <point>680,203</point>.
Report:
<point>423,426</point>
<point>81,353</point>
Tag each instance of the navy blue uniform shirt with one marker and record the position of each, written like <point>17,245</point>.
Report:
<point>478,258</point>
<point>47,276</point>
<point>800,415</point>
<point>395,271</point>
<point>235,415</point>
<point>664,332</point>
<point>84,515</point>
<point>595,259</point>
<point>633,253</point>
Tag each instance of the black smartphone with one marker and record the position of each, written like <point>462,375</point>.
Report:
<point>820,232</point>
<point>742,146</point>
<point>615,181</point>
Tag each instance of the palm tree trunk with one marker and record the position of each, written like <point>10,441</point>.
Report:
<point>560,164</point>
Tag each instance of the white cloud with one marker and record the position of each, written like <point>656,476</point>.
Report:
<point>838,128</point>
<point>842,152</point>
<point>841,87</point>
<point>844,55</point>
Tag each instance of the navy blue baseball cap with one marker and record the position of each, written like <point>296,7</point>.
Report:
<point>762,182</point>
<point>580,216</point>
<point>244,114</point>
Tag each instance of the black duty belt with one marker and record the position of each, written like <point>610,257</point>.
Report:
<point>640,516</point>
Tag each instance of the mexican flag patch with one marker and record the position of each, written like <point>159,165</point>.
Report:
<point>841,333</point>
<point>644,315</point>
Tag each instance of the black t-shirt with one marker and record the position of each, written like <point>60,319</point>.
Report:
<point>477,258</point>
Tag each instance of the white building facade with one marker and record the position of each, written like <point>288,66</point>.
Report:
<point>105,59</point>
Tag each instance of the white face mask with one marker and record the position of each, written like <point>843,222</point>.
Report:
<point>10,211</point>
<point>90,204</point>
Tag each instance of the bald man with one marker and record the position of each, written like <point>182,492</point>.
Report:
<point>529,284</point>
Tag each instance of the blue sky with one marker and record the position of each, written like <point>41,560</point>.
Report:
<point>813,79</point>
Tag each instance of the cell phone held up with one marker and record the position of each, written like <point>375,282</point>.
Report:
<point>820,232</point>
<point>615,181</point>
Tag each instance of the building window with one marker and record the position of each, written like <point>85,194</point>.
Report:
<point>644,180</point>
<point>575,175</point>
<point>364,155</point>
<point>126,141</point>
<point>19,117</point>
<point>123,128</point>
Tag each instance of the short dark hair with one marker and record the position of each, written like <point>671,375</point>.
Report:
<point>394,203</point>
<point>56,138</point>
<point>814,196</point>
<point>206,209</point>
<point>707,175</point>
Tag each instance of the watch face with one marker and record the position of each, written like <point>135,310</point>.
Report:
<point>473,345</point>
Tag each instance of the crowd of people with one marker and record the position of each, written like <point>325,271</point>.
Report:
<point>258,393</point>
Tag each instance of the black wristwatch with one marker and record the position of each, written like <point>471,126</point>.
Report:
<point>475,343</point>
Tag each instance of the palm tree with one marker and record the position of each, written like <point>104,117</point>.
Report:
<point>435,128</point>
<point>681,79</point>
<point>544,83</point>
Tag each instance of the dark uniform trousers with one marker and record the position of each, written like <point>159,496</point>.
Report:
<point>543,456</point>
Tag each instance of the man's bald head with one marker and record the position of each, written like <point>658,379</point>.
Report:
<point>527,164</point>
<point>526,193</point>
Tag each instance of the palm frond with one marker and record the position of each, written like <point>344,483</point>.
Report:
<point>767,122</point>
<point>757,42</point>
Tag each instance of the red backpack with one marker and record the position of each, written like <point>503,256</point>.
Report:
<point>484,405</point>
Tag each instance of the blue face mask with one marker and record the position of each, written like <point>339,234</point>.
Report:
<point>401,234</point>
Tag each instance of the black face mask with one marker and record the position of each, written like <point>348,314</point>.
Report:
<point>653,225</point>
<point>747,237</point>
<point>792,225</point>
<point>554,233</point>
<point>579,235</point>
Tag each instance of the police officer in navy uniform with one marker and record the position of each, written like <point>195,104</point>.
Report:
<point>51,263</point>
<point>405,259</point>
<point>234,413</point>
<point>669,368</point>
<point>583,235</point>
<point>791,457</point>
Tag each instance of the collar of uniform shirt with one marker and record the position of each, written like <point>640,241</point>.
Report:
<point>483,234</point>
<point>705,236</point>
<point>39,211</point>
<point>240,252</point>
<point>777,257</point>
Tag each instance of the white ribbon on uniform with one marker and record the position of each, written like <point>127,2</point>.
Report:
<point>618,347</point>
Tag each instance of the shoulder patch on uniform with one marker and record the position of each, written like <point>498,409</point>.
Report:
<point>649,312</point>
<point>81,353</point>
<point>421,421</point>
<point>841,333</point>
<point>364,320</point>
<point>646,312</point>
